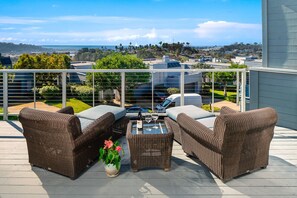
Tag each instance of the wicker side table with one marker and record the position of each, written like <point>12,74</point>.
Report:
<point>151,148</point>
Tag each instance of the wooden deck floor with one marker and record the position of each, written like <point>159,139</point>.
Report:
<point>186,179</point>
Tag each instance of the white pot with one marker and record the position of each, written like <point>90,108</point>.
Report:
<point>111,170</point>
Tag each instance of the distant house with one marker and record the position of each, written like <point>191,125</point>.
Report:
<point>80,77</point>
<point>250,61</point>
<point>192,81</point>
<point>5,61</point>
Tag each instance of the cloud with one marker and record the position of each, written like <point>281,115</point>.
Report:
<point>124,35</point>
<point>7,28</point>
<point>7,39</point>
<point>31,28</point>
<point>98,19</point>
<point>129,34</point>
<point>226,30</point>
<point>19,20</point>
<point>54,31</point>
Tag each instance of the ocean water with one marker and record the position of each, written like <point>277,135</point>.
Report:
<point>77,47</point>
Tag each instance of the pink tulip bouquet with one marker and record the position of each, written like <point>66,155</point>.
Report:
<point>110,153</point>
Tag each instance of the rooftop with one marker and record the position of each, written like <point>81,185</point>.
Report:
<point>187,177</point>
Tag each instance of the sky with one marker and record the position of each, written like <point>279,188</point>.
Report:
<point>111,22</point>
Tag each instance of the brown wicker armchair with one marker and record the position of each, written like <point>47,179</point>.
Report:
<point>56,141</point>
<point>238,144</point>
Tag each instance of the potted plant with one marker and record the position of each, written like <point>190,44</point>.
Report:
<point>110,155</point>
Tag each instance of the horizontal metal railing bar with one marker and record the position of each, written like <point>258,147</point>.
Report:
<point>115,70</point>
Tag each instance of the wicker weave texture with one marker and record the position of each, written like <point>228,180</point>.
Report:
<point>239,143</point>
<point>149,150</point>
<point>175,129</point>
<point>120,126</point>
<point>55,140</point>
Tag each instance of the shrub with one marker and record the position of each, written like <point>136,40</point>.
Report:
<point>49,92</point>
<point>173,90</point>
<point>85,93</point>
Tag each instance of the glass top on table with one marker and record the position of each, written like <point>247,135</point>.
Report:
<point>148,128</point>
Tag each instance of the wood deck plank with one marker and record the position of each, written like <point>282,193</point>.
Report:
<point>187,177</point>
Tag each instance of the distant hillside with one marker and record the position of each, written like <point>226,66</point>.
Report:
<point>20,48</point>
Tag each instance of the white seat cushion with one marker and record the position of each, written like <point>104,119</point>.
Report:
<point>98,111</point>
<point>90,115</point>
<point>191,110</point>
<point>208,122</point>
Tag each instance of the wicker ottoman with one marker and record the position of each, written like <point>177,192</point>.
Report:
<point>151,148</point>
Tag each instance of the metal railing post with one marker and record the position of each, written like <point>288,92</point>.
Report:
<point>123,85</point>
<point>212,93</point>
<point>93,89</point>
<point>152,73</point>
<point>34,88</point>
<point>237,88</point>
<point>5,96</point>
<point>182,88</point>
<point>64,94</point>
<point>243,86</point>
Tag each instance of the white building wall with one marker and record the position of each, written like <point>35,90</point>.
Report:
<point>160,78</point>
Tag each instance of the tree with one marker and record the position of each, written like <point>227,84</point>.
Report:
<point>44,61</point>
<point>203,66</point>
<point>226,77</point>
<point>112,80</point>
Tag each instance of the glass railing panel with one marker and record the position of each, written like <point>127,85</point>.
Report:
<point>147,90</point>
<point>107,88</point>
<point>20,92</point>
<point>1,95</point>
<point>48,91</point>
<point>225,90</point>
<point>138,92</point>
<point>165,84</point>
<point>79,91</point>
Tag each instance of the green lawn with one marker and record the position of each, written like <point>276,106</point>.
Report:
<point>77,105</point>
<point>206,107</point>
<point>1,110</point>
<point>231,96</point>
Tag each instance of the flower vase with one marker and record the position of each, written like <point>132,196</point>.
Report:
<point>111,170</point>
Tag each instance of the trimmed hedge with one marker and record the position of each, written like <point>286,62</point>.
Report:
<point>84,92</point>
<point>49,92</point>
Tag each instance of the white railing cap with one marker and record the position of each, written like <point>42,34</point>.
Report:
<point>115,70</point>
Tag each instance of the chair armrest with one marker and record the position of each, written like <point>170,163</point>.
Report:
<point>226,110</point>
<point>199,132</point>
<point>66,110</point>
<point>98,127</point>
